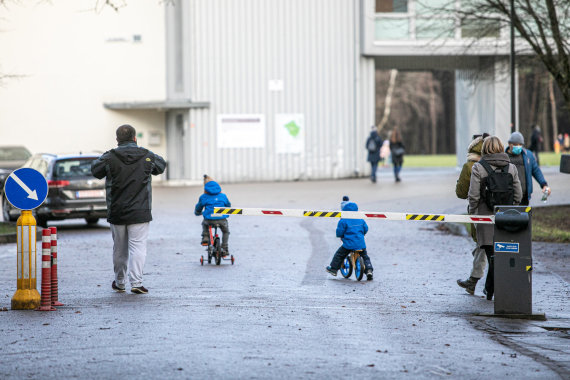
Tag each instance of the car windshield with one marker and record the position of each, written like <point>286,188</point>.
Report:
<point>71,168</point>
<point>14,154</point>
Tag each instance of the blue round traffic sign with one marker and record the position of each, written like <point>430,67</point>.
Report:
<point>26,188</point>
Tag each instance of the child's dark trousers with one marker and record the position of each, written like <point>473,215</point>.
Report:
<point>341,254</point>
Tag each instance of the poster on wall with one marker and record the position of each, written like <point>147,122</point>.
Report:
<point>241,131</point>
<point>290,133</point>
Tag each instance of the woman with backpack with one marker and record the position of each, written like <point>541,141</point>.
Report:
<point>494,181</point>
<point>373,145</point>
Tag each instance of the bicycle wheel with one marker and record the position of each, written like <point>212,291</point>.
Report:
<point>346,267</point>
<point>359,268</point>
<point>217,251</point>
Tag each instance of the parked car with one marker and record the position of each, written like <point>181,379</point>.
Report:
<point>73,191</point>
<point>11,158</point>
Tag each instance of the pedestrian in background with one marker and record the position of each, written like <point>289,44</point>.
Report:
<point>127,170</point>
<point>566,143</point>
<point>536,143</point>
<point>492,153</point>
<point>373,145</point>
<point>526,165</point>
<point>397,150</point>
<point>462,191</point>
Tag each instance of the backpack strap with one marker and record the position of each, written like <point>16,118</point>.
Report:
<point>486,166</point>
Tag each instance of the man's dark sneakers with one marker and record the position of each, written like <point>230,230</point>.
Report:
<point>139,290</point>
<point>369,275</point>
<point>205,241</point>
<point>117,288</point>
<point>330,270</point>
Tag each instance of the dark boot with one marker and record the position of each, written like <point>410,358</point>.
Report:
<point>469,284</point>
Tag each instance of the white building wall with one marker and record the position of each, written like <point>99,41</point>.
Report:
<point>73,59</point>
<point>237,47</point>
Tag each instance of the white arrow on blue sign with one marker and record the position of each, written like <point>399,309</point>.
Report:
<point>26,188</point>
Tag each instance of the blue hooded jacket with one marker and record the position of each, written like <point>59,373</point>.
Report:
<point>531,169</point>
<point>212,198</point>
<point>352,231</point>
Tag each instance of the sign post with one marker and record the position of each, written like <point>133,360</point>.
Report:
<point>26,189</point>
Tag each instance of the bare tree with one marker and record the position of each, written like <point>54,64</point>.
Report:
<point>544,26</point>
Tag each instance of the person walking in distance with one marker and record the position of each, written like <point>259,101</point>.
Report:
<point>494,181</point>
<point>397,150</point>
<point>527,167</point>
<point>462,190</point>
<point>373,145</point>
<point>127,170</point>
<point>536,143</point>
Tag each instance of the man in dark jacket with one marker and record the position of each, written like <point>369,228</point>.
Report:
<point>127,170</point>
<point>527,166</point>
<point>373,145</point>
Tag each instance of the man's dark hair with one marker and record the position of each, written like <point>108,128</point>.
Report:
<point>126,133</point>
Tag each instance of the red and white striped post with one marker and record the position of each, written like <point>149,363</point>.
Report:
<point>54,287</point>
<point>45,301</point>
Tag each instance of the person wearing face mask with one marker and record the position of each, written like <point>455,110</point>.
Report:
<point>526,166</point>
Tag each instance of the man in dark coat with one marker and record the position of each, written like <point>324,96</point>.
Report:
<point>373,145</point>
<point>127,170</point>
<point>536,143</point>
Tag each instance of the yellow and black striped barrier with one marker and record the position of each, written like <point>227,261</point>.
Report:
<point>427,217</point>
<point>322,214</point>
<point>398,216</point>
<point>227,211</point>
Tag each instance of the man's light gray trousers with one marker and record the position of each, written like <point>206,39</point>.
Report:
<point>129,250</point>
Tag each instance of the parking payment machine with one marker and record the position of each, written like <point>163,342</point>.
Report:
<point>513,260</point>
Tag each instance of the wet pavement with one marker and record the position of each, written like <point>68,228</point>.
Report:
<point>276,313</point>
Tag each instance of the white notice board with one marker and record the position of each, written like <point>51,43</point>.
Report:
<point>290,133</point>
<point>241,131</point>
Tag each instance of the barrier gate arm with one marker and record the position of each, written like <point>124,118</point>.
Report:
<point>402,216</point>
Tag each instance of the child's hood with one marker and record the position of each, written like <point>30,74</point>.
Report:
<point>350,206</point>
<point>212,188</point>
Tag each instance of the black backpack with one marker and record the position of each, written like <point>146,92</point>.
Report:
<point>371,144</point>
<point>497,188</point>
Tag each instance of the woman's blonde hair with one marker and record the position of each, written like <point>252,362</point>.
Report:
<point>492,144</point>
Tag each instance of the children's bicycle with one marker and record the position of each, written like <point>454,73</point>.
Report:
<point>353,262</point>
<point>214,249</point>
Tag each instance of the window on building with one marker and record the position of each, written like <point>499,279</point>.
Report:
<point>478,28</point>
<point>389,6</point>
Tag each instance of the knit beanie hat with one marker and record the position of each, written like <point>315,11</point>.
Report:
<point>516,138</point>
<point>207,179</point>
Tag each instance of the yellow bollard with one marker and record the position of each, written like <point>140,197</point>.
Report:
<point>26,297</point>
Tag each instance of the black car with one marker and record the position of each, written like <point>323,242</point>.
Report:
<point>11,157</point>
<point>73,191</point>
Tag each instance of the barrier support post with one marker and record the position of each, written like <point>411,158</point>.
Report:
<point>26,296</point>
<point>513,263</point>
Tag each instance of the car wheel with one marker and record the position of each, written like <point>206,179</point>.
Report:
<point>91,221</point>
<point>6,211</point>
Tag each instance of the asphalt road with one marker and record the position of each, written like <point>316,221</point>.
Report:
<point>276,313</point>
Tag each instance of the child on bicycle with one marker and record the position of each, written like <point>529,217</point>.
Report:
<point>213,197</point>
<point>351,232</point>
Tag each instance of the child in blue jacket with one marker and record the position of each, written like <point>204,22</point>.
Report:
<point>213,197</point>
<point>351,232</point>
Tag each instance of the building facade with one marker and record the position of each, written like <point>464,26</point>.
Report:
<point>243,90</point>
